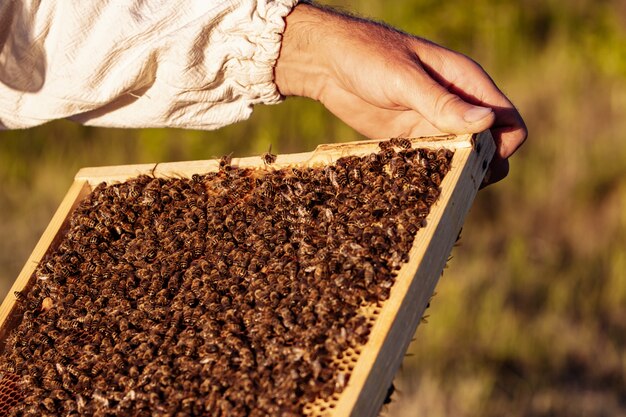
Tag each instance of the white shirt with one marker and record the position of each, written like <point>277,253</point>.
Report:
<point>138,63</point>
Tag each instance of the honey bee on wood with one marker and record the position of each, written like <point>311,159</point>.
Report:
<point>268,157</point>
<point>400,143</point>
<point>19,295</point>
<point>224,164</point>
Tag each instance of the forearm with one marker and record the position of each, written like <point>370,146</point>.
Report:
<point>301,68</point>
<point>319,41</point>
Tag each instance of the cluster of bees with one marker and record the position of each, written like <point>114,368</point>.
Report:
<point>226,294</point>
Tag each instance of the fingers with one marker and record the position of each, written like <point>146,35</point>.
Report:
<point>477,107</point>
<point>465,78</point>
<point>498,169</point>
<point>475,86</point>
<point>445,110</point>
<point>509,131</point>
<point>376,122</point>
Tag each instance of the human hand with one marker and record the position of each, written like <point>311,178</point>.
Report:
<point>385,83</point>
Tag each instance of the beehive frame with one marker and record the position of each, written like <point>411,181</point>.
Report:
<point>374,365</point>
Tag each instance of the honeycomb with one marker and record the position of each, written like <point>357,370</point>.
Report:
<point>10,393</point>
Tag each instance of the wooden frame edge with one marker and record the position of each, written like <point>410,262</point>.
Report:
<point>393,332</point>
<point>326,153</point>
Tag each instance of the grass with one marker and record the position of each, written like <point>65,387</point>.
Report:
<point>530,318</point>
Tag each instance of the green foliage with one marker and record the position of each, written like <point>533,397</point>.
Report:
<point>530,319</point>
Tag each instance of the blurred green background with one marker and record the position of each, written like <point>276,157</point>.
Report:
<point>530,317</point>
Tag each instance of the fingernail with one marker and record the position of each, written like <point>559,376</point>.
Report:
<point>476,113</point>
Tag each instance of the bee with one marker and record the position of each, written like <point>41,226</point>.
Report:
<point>372,162</point>
<point>301,174</point>
<point>225,162</point>
<point>443,154</point>
<point>400,143</point>
<point>386,155</point>
<point>49,405</point>
<point>87,221</point>
<point>267,190</point>
<point>422,172</point>
<point>59,395</point>
<point>340,178</point>
<point>42,339</point>
<point>9,365</point>
<point>118,361</point>
<point>50,382</point>
<point>268,157</point>
<point>398,166</point>
<point>354,174</point>
<point>435,177</point>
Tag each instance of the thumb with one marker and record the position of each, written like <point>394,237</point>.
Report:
<point>447,111</point>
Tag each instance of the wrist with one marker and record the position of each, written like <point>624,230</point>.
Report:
<point>302,67</point>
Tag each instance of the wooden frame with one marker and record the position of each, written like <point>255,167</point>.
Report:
<point>375,364</point>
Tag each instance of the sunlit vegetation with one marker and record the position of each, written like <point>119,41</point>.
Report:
<point>530,317</point>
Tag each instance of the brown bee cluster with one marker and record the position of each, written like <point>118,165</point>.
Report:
<point>227,294</point>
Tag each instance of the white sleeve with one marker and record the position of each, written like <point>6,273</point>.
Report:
<point>196,64</point>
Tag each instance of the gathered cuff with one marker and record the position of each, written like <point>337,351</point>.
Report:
<point>257,44</point>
